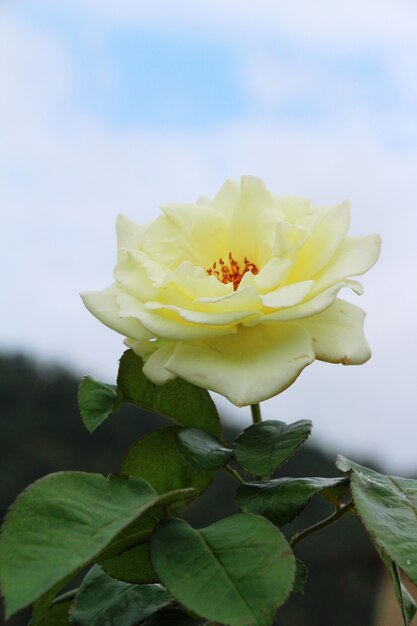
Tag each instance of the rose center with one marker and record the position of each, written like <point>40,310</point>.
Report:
<point>231,272</point>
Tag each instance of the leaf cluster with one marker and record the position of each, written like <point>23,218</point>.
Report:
<point>143,563</point>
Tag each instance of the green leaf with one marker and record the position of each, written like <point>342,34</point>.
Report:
<point>60,524</point>
<point>171,617</point>
<point>387,506</point>
<point>178,400</point>
<point>155,458</point>
<point>282,499</point>
<point>202,449</point>
<point>337,492</point>
<point>264,446</point>
<point>67,595</point>
<point>103,600</point>
<point>96,400</point>
<point>135,533</point>
<point>405,599</point>
<point>56,615</point>
<point>236,571</point>
<point>42,605</point>
<point>133,566</point>
<point>301,576</point>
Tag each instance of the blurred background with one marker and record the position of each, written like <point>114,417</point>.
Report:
<point>109,107</point>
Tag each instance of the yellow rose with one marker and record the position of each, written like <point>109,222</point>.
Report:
<point>238,294</point>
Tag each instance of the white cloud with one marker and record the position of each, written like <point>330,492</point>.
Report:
<point>319,21</point>
<point>68,176</point>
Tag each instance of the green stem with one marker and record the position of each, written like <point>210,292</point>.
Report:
<point>256,413</point>
<point>234,473</point>
<point>338,513</point>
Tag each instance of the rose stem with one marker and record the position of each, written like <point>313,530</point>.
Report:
<point>256,413</point>
<point>234,473</point>
<point>339,512</point>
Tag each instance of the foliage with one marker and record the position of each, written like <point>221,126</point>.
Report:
<point>236,571</point>
<point>148,564</point>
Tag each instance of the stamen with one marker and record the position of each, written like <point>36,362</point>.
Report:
<point>232,273</point>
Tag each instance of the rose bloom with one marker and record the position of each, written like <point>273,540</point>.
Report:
<point>238,294</point>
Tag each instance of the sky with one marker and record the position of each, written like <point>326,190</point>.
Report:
<point>109,107</point>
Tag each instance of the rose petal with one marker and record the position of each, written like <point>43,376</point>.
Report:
<point>222,318</point>
<point>313,306</point>
<point>204,228</point>
<point>154,365</point>
<point>355,256</point>
<point>270,275</point>
<point>164,243</point>
<point>136,274</point>
<point>155,353</point>
<point>288,295</point>
<point>246,297</point>
<point>143,348</point>
<point>293,207</point>
<point>251,366</point>
<point>289,238</point>
<point>194,282</point>
<point>129,234</point>
<point>227,197</point>
<point>325,238</point>
<point>338,335</point>
<point>252,222</point>
<point>103,305</point>
<point>167,324</point>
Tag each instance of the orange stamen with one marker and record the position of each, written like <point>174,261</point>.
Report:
<point>232,273</point>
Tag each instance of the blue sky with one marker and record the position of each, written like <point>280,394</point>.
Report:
<point>123,106</point>
<point>130,74</point>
